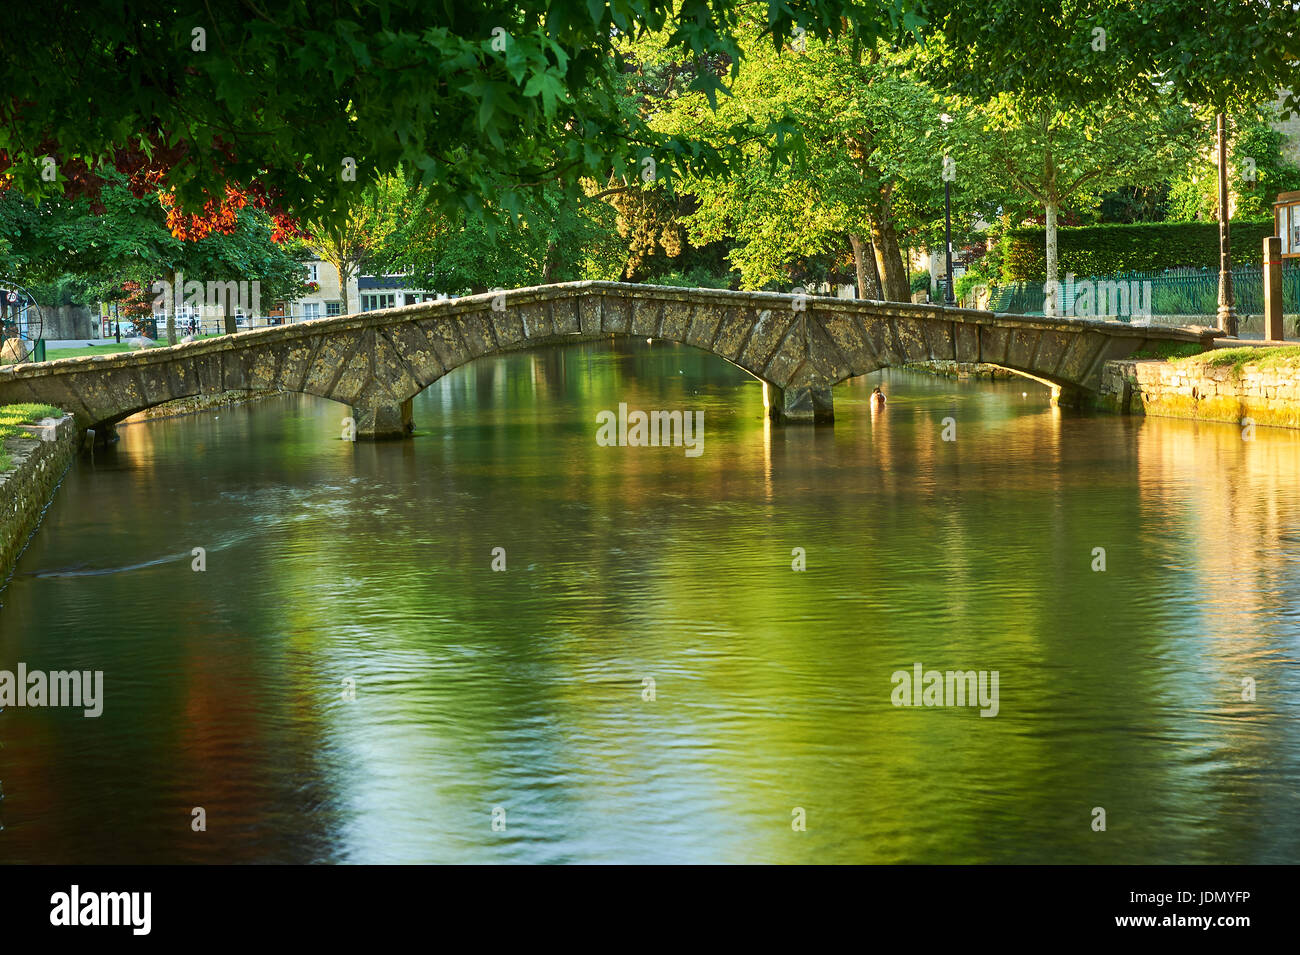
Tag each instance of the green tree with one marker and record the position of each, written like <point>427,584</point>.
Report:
<point>310,101</point>
<point>865,174</point>
<point>553,238</point>
<point>127,240</point>
<point>1054,155</point>
<point>1221,54</point>
<point>366,229</point>
<point>1259,172</point>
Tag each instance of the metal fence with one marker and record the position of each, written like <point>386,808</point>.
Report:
<point>1181,292</point>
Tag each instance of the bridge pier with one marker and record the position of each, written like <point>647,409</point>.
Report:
<point>799,404</point>
<point>1068,396</point>
<point>382,421</point>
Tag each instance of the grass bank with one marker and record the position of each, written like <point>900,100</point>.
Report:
<point>1168,350</point>
<point>1284,356</point>
<point>52,354</point>
<point>13,415</point>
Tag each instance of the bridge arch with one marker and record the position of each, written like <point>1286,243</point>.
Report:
<point>377,362</point>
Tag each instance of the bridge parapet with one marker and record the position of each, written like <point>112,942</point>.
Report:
<point>376,362</point>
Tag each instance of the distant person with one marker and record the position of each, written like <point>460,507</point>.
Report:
<point>877,398</point>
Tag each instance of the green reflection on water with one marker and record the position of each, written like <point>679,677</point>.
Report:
<point>329,561</point>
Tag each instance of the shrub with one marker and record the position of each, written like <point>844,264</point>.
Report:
<point>1181,300</point>
<point>1144,247</point>
<point>966,283</point>
<point>698,277</point>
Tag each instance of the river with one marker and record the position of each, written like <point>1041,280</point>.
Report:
<point>649,679</point>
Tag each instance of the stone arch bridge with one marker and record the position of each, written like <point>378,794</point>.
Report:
<point>376,362</point>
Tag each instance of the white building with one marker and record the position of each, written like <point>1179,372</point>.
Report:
<point>389,291</point>
<point>324,298</point>
<point>365,294</point>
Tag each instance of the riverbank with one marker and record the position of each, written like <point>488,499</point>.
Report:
<point>37,461</point>
<point>1229,384</point>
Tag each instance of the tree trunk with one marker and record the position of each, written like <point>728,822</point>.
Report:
<point>873,273</point>
<point>227,314</point>
<point>856,241</point>
<point>864,261</point>
<point>1227,311</point>
<point>550,264</point>
<point>1052,288</point>
<point>170,307</point>
<point>345,276</point>
<point>889,257</point>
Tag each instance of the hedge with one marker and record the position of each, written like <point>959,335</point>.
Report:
<point>1143,247</point>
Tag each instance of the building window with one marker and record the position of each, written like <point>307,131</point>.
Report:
<point>313,272</point>
<point>310,310</point>
<point>371,302</point>
<point>333,308</point>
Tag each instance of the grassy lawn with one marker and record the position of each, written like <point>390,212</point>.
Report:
<point>1168,350</point>
<point>111,349</point>
<point>1284,356</point>
<point>53,353</point>
<point>13,415</point>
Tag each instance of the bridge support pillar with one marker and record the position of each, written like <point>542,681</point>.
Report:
<point>382,421</point>
<point>802,404</point>
<point>1068,396</point>
<point>99,436</point>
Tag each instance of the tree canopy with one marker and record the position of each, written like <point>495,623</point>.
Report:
<point>128,245</point>
<point>482,100</point>
<point>1227,54</point>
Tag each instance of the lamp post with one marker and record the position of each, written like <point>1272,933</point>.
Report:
<point>1227,311</point>
<point>948,172</point>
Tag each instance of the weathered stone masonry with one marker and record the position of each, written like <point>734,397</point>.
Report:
<point>38,465</point>
<point>376,362</point>
<point>1268,395</point>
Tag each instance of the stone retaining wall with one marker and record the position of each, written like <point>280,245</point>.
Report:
<point>37,466</point>
<point>200,403</point>
<point>961,369</point>
<point>1179,389</point>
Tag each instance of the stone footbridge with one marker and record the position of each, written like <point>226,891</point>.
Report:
<point>376,362</point>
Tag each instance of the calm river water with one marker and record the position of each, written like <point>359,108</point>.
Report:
<point>518,697</point>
